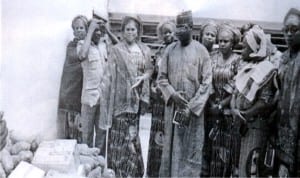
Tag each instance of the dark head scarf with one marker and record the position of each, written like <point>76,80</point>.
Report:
<point>236,34</point>
<point>185,18</point>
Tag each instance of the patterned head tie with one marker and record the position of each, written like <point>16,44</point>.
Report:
<point>211,26</point>
<point>236,34</point>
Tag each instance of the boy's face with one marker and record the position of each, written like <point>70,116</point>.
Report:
<point>96,35</point>
<point>79,30</point>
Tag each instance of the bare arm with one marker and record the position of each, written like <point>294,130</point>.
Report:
<point>264,102</point>
<point>83,51</point>
<point>112,37</point>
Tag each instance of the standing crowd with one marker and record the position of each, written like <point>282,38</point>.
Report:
<point>215,113</point>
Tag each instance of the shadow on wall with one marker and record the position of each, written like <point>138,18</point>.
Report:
<point>34,39</point>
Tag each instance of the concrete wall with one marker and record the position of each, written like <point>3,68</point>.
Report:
<point>34,39</point>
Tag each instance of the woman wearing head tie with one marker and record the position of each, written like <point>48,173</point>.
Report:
<point>208,36</point>
<point>223,139</point>
<point>252,102</point>
<point>165,31</point>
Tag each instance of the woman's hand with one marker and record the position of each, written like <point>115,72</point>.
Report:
<point>237,113</point>
<point>215,109</point>
<point>139,80</point>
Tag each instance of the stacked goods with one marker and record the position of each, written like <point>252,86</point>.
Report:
<point>91,164</point>
<point>58,158</point>
<point>56,174</point>
<point>15,151</point>
<point>26,170</point>
<point>56,155</point>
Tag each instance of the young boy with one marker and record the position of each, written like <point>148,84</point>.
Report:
<point>92,53</point>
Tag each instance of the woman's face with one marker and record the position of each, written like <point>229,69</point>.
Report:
<point>246,51</point>
<point>130,33</point>
<point>208,38</point>
<point>79,30</point>
<point>225,41</point>
<point>167,33</point>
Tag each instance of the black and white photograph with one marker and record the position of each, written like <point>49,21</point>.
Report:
<point>149,88</point>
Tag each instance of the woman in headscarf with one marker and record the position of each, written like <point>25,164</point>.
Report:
<point>208,36</point>
<point>71,85</point>
<point>252,103</point>
<point>165,31</point>
<point>222,135</point>
<point>266,45</point>
<point>131,69</point>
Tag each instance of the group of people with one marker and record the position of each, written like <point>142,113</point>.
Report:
<point>215,113</point>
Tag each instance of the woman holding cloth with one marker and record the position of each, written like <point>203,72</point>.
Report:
<point>130,69</point>
<point>165,31</point>
<point>252,102</point>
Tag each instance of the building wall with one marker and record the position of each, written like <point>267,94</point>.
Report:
<point>34,38</point>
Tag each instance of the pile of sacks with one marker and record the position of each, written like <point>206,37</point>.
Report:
<point>15,151</point>
<point>91,164</point>
<point>87,162</point>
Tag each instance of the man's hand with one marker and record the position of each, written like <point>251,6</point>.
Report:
<point>186,112</point>
<point>179,100</point>
<point>104,27</point>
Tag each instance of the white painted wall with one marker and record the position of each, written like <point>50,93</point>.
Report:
<point>34,39</point>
